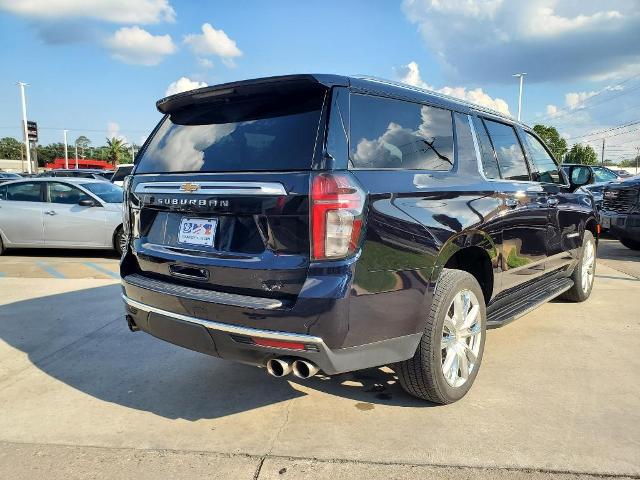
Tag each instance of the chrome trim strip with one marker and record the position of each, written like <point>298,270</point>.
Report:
<point>225,327</point>
<point>214,188</point>
<point>209,296</point>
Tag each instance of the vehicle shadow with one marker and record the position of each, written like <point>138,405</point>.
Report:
<point>61,253</point>
<point>83,341</point>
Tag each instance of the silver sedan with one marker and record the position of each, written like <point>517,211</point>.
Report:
<point>60,213</point>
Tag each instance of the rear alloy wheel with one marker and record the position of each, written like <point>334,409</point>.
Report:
<point>119,241</point>
<point>450,353</point>
<point>632,244</point>
<point>584,273</point>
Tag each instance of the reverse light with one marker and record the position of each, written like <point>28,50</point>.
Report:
<point>337,204</point>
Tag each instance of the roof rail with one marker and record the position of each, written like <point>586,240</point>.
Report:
<point>406,86</point>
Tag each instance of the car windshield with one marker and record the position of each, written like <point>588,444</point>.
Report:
<point>108,192</point>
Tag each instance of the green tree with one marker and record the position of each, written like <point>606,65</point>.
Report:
<point>83,143</point>
<point>582,154</point>
<point>115,150</point>
<point>552,138</point>
<point>10,148</point>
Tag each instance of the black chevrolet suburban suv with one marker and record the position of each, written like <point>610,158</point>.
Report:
<point>326,223</point>
<point>620,211</point>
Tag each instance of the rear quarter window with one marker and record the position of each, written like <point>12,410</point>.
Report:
<point>394,134</point>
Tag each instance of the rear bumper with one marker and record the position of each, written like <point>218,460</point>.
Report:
<point>236,342</point>
<point>622,224</point>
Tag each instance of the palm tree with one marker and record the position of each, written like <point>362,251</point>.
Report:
<point>115,149</point>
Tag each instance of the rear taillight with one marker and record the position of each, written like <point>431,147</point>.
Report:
<point>337,204</point>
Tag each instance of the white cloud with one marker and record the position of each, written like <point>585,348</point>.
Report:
<point>137,46</point>
<point>488,40</point>
<point>574,99</point>
<point>212,42</point>
<point>183,84</point>
<point>113,131</point>
<point>205,62</point>
<point>410,74</point>
<point>552,110</point>
<point>116,11</point>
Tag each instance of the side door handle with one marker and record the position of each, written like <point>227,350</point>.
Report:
<point>50,212</point>
<point>552,202</point>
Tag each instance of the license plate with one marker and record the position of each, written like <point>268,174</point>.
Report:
<point>198,231</point>
<point>605,222</point>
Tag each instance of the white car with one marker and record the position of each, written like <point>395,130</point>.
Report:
<point>61,213</point>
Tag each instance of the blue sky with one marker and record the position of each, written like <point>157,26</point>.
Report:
<point>97,67</point>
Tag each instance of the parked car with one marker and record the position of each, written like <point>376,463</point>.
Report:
<point>621,211</point>
<point>122,171</point>
<point>588,174</point>
<point>624,173</point>
<point>60,213</point>
<point>94,173</point>
<point>6,176</point>
<point>320,222</point>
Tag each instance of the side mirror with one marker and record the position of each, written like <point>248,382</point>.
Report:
<point>87,202</point>
<point>580,176</point>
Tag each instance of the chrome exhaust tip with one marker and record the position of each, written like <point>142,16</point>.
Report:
<point>278,367</point>
<point>303,369</point>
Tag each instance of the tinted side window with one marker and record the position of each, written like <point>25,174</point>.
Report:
<point>387,133</point>
<point>3,193</point>
<point>508,150</point>
<point>546,168</point>
<point>465,149</point>
<point>24,192</point>
<point>63,193</point>
<point>489,162</point>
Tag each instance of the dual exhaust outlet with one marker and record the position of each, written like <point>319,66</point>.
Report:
<point>279,367</point>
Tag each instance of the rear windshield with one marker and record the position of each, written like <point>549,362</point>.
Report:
<point>266,132</point>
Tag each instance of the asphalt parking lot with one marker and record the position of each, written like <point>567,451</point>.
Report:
<point>558,395</point>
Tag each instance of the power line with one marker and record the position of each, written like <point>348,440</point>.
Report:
<point>605,130</point>
<point>562,112</point>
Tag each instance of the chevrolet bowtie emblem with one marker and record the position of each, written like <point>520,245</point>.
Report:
<point>189,187</point>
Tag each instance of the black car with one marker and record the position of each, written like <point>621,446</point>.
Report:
<point>620,211</point>
<point>320,222</point>
<point>96,173</point>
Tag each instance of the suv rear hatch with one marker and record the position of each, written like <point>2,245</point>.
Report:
<point>219,198</point>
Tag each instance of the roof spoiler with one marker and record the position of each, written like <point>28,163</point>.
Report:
<point>226,90</point>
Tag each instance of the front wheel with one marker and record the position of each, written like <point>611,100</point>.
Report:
<point>629,243</point>
<point>450,352</point>
<point>584,273</point>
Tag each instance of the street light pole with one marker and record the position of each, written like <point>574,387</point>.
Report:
<point>24,125</point>
<point>521,76</point>
<point>76,145</point>
<point>66,154</point>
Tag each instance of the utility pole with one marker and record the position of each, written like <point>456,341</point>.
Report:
<point>24,125</point>
<point>133,153</point>
<point>76,145</point>
<point>521,76</point>
<point>66,154</point>
<point>602,159</point>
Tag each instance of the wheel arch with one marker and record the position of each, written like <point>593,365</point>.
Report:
<point>474,252</point>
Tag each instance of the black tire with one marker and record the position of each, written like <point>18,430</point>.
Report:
<point>422,375</point>
<point>1,246</point>
<point>118,237</point>
<point>577,293</point>
<point>629,243</point>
